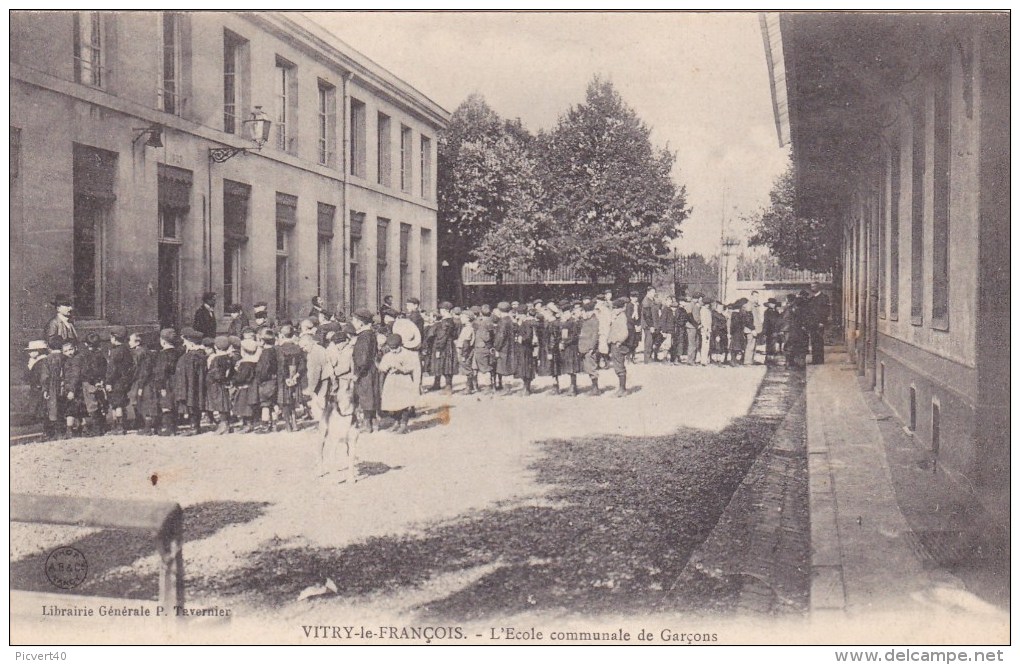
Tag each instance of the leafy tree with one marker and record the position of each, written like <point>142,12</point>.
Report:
<point>614,205</point>
<point>797,242</point>
<point>489,194</point>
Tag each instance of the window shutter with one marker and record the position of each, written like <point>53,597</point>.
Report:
<point>286,209</point>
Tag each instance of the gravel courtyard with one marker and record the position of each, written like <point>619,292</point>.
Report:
<point>491,508</point>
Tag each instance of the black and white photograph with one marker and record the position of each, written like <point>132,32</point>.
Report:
<point>507,328</point>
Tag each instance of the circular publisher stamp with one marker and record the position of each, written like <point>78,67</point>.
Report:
<point>66,568</point>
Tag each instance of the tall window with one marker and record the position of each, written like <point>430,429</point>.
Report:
<point>942,157</point>
<point>357,138</point>
<point>405,159</point>
<point>286,220</point>
<point>426,167</point>
<point>234,59</point>
<point>327,213</point>
<point>882,226</point>
<point>236,197</point>
<point>357,276</point>
<point>426,267</point>
<point>89,37</point>
<point>327,124</point>
<point>286,105</point>
<point>94,177</point>
<point>382,276</point>
<point>405,270</point>
<point>917,213</point>
<point>170,70</point>
<point>384,149</point>
<point>174,193</point>
<point>894,229</point>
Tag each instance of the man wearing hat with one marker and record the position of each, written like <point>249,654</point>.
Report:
<point>771,325</point>
<point>60,325</point>
<point>650,324</point>
<point>620,334</point>
<point>694,328</point>
<point>120,374</point>
<point>190,379</point>
<point>205,316</point>
<point>816,309</point>
<point>366,371</point>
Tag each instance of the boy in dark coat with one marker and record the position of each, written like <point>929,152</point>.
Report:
<point>290,376</point>
<point>503,340</point>
<point>219,371</point>
<point>588,346</point>
<point>144,392</point>
<point>444,348</point>
<point>36,350</point>
<point>366,371</point>
<point>86,373</point>
<point>120,374</point>
<point>189,379</point>
<point>51,382</point>
<point>570,357</point>
<point>526,350</point>
<point>163,381</point>
<point>266,380</point>
<point>483,361</point>
<point>246,394</point>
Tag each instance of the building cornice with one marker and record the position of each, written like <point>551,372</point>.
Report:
<point>302,33</point>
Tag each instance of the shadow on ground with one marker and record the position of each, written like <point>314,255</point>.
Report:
<point>109,549</point>
<point>613,534</point>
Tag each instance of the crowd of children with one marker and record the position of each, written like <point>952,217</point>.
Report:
<point>325,367</point>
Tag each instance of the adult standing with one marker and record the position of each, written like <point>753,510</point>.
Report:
<point>60,325</point>
<point>649,323</point>
<point>205,316</point>
<point>366,372</point>
<point>444,348</point>
<point>817,306</point>
<point>588,346</point>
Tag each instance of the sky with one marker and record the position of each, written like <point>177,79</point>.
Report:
<point>699,80</point>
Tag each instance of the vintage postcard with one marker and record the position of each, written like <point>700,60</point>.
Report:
<point>511,328</point>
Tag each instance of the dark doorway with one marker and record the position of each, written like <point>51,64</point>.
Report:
<point>169,284</point>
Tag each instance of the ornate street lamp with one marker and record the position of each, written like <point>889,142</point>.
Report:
<point>257,128</point>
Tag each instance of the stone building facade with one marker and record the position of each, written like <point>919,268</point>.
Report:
<point>123,197</point>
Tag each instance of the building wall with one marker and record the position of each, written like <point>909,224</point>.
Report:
<point>944,363</point>
<point>52,112</point>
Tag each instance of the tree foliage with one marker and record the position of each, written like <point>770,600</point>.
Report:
<point>489,193</point>
<point>796,242</point>
<point>613,202</point>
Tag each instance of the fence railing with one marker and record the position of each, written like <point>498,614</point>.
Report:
<point>163,519</point>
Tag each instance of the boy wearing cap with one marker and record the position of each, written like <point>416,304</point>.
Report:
<point>366,371</point>
<point>619,336</point>
<point>36,350</point>
<point>260,314</point>
<point>485,327</point>
<point>588,346</point>
<point>526,350</point>
<point>163,381</point>
<point>120,374</point>
<point>144,398</point>
<point>190,379</point>
<point>503,339</point>
<point>238,319</point>
<point>290,376</point>
<point>705,331</point>
<point>465,344</point>
<point>444,349</point>
<point>88,372</point>
<point>567,345</point>
<point>266,380</point>
<point>219,372</point>
<point>51,385</point>
<point>245,403</point>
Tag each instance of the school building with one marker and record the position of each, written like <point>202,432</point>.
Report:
<point>899,125</point>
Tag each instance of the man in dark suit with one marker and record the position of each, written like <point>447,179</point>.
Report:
<point>649,323</point>
<point>817,317</point>
<point>60,325</point>
<point>205,316</point>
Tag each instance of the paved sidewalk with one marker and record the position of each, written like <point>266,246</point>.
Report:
<point>864,561</point>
